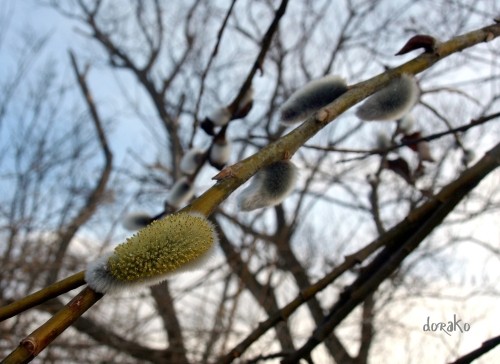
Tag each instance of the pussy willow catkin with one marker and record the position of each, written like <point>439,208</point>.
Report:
<point>178,242</point>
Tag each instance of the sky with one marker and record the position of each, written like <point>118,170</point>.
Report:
<point>29,16</point>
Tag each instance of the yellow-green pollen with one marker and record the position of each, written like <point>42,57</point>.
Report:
<point>162,247</point>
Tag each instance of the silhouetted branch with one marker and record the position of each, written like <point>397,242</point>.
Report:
<point>473,355</point>
<point>415,228</point>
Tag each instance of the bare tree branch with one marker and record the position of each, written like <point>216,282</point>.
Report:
<point>486,346</point>
<point>97,193</point>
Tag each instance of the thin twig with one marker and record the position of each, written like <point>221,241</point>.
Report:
<point>98,191</point>
<point>259,62</point>
<point>473,123</point>
<point>414,222</point>
<point>288,144</point>
<point>418,225</point>
<point>207,68</point>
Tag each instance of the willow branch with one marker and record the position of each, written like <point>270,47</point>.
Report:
<point>288,144</point>
<point>415,228</point>
<point>392,239</point>
<point>258,64</point>
<point>38,340</point>
<point>103,334</point>
<point>305,295</point>
<point>43,295</point>
<point>367,152</point>
<point>483,349</point>
<point>215,50</point>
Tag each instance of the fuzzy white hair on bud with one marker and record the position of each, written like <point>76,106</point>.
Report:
<point>468,156</point>
<point>383,140</point>
<point>181,192</point>
<point>270,186</point>
<point>406,123</point>
<point>220,116</point>
<point>393,101</point>
<point>191,160</point>
<point>424,151</point>
<point>136,221</point>
<point>220,152</point>
<point>176,243</point>
<point>313,96</point>
<point>246,99</point>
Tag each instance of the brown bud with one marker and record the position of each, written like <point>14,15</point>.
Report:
<point>424,151</point>
<point>220,150</point>
<point>401,168</point>
<point>244,106</point>
<point>409,140</point>
<point>426,42</point>
<point>207,126</point>
<point>243,111</point>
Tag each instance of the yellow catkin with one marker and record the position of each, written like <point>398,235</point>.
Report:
<point>162,247</point>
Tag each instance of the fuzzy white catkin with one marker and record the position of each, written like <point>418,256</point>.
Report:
<point>424,151</point>
<point>269,187</point>
<point>136,221</point>
<point>392,102</point>
<point>383,140</point>
<point>468,156</point>
<point>220,116</point>
<point>180,193</point>
<point>188,241</point>
<point>406,123</point>
<point>312,97</point>
<point>190,161</point>
<point>220,152</point>
<point>100,280</point>
<point>247,98</point>
<point>98,277</point>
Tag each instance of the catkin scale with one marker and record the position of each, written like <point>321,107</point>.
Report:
<point>392,102</point>
<point>312,97</point>
<point>175,243</point>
